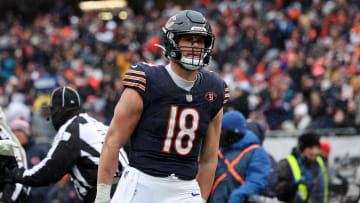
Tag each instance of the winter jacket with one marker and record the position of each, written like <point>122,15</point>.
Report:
<point>252,171</point>
<point>313,179</point>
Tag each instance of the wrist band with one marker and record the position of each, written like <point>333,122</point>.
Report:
<point>103,193</point>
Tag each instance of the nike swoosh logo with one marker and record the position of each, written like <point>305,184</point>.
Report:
<point>195,194</point>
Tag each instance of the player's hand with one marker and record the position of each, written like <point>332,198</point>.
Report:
<point>8,147</point>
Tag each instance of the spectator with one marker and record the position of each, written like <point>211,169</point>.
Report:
<point>17,109</point>
<point>303,175</point>
<point>325,150</point>
<point>259,129</point>
<point>34,154</point>
<point>243,166</point>
<point>62,192</point>
<point>315,43</point>
<point>301,116</point>
<point>338,185</point>
<point>42,128</point>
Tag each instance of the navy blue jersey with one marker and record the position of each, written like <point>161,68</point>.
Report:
<point>169,134</point>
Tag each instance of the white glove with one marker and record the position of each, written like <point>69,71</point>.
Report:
<point>8,148</point>
<point>102,193</point>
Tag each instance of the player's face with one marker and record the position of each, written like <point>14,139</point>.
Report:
<point>311,152</point>
<point>189,43</point>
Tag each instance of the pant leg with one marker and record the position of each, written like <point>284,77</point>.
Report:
<point>186,192</point>
<point>138,187</point>
<point>126,187</point>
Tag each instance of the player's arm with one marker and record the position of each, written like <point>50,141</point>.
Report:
<point>59,160</point>
<point>126,116</point>
<point>208,155</point>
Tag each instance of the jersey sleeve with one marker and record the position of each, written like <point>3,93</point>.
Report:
<point>135,78</point>
<point>223,93</point>
<point>226,93</point>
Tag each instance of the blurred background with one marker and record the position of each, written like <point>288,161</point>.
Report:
<point>293,64</point>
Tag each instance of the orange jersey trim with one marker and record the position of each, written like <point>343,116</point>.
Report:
<point>134,85</point>
<point>135,78</point>
<point>134,71</point>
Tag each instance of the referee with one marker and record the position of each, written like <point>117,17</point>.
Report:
<point>75,149</point>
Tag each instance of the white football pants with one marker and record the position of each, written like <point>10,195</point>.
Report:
<point>138,187</point>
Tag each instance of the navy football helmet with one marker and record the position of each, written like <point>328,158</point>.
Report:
<point>188,22</point>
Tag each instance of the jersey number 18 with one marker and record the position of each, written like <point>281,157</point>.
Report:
<point>183,130</point>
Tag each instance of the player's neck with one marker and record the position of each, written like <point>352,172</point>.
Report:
<point>189,75</point>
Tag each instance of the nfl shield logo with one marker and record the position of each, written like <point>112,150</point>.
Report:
<point>189,98</point>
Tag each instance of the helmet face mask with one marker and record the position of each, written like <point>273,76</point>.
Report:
<point>196,60</point>
<point>188,23</point>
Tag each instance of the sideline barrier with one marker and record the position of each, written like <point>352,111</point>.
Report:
<point>343,142</point>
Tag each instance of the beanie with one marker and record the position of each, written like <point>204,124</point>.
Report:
<point>21,125</point>
<point>258,128</point>
<point>308,140</point>
<point>234,121</point>
<point>325,147</point>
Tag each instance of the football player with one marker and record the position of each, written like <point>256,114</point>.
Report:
<point>12,154</point>
<point>172,116</point>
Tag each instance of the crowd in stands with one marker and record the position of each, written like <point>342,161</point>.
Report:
<point>293,63</point>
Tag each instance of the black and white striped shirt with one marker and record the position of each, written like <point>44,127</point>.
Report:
<point>75,150</point>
